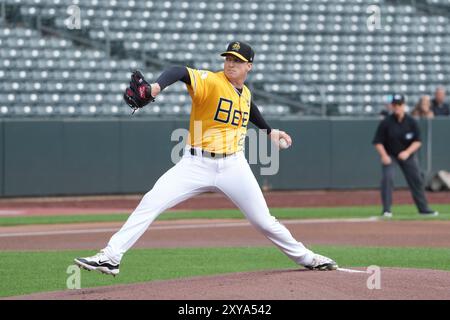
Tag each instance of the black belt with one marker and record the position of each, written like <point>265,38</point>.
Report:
<point>212,155</point>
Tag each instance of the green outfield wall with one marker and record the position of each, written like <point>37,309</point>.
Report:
<point>117,156</point>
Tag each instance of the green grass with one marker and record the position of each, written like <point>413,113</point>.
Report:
<point>28,272</point>
<point>401,212</point>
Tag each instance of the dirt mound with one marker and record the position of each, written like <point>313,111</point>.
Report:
<point>395,283</point>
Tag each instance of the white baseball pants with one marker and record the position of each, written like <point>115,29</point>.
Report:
<point>193,175</point>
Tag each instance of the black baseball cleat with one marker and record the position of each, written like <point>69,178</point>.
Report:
<point>322,263</point>
<point>100,262</point>
<point>429,213</point>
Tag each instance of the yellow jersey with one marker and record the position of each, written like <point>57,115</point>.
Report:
<point>219,114</point>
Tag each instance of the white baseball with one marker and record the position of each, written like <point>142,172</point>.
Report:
<point>283,144</point>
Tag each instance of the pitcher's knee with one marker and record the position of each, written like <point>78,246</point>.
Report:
<point>151,201</point>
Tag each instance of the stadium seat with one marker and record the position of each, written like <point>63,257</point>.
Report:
<point>299,47</point>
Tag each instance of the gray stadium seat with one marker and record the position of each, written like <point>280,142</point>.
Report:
<point>299,46</point>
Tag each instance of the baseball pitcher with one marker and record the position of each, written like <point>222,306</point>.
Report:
<point>213,159</point>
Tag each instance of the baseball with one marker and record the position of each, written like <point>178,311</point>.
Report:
<point>283,144</point>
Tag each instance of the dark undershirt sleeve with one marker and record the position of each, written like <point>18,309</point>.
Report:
<point>172,75</point>
<point>257,119</point>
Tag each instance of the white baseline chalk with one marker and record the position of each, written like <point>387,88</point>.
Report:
<point>350,270</point>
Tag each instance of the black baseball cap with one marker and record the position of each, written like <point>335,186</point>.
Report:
<point>398,98</point>
<point>241,50</point>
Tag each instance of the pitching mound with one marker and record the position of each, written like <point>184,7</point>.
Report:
<point>395,283</point>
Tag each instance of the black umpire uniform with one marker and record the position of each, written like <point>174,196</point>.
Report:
<point>396,135</point>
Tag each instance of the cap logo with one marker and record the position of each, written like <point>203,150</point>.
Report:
<point>236,46</point>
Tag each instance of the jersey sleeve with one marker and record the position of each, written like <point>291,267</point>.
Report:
<point>380,134</point>
<point>201,84</point>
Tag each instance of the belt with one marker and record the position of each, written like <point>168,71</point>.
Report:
<point>207,154</point>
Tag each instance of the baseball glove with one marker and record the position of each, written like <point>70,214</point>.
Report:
<point>138,94</point>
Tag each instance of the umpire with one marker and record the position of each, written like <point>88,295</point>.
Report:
<point>397,139</point>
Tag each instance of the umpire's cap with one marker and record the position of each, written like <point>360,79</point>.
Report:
<point>241,50</point>
<point>398,98</point>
